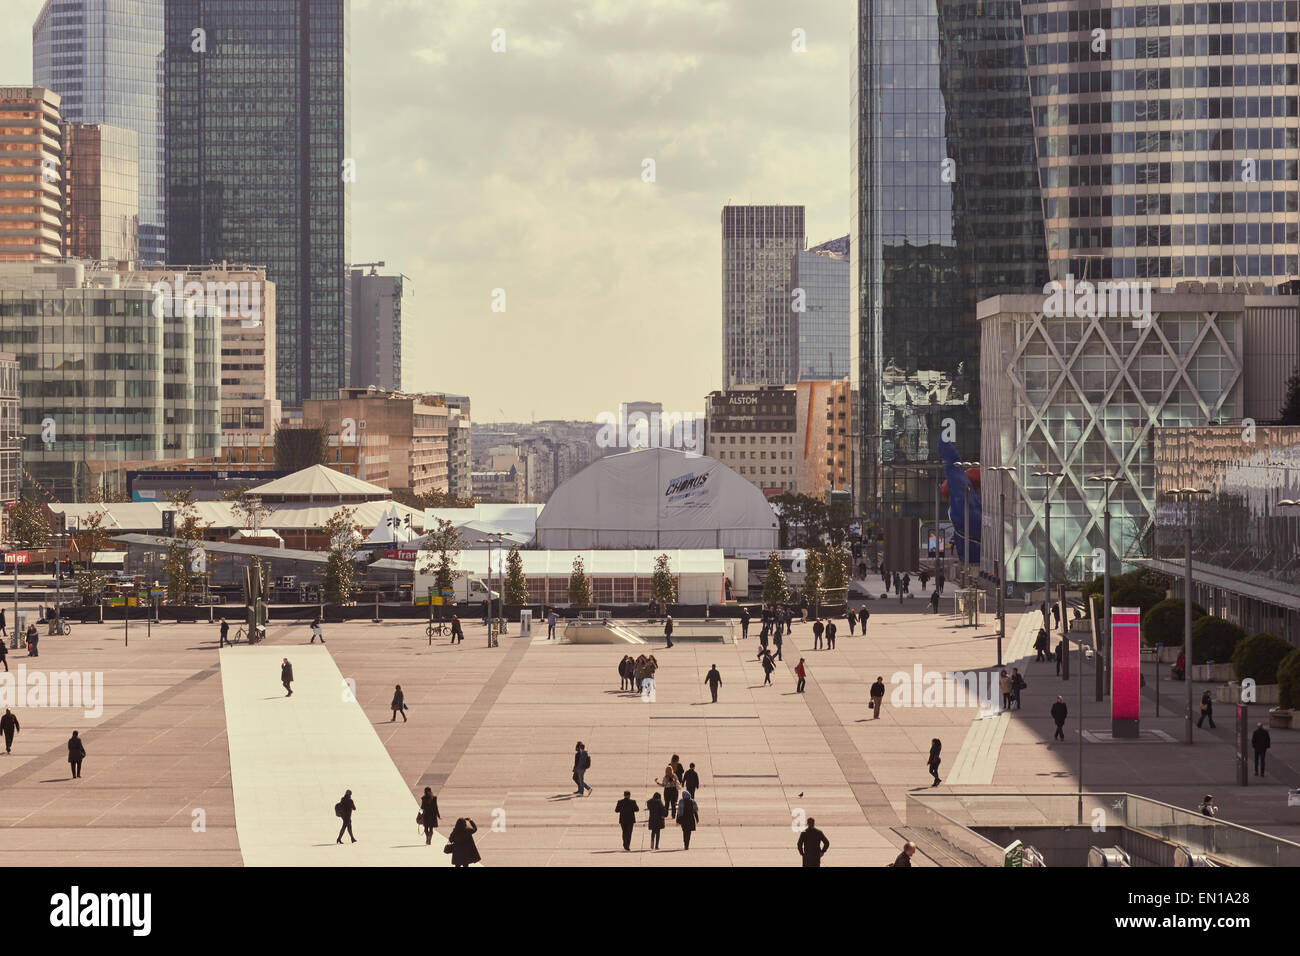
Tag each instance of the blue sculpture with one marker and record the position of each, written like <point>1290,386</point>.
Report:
<point>959,486</point>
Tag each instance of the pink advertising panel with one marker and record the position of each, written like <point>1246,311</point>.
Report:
<point>1125,674</point>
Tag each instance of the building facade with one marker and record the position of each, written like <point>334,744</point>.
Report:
<point>377,306</point>
<point>507,486</point>
<point>257,167</point>
<point>820,276</point>
<point>11,437</point>
<point>31,188</point>
<point>101,192</point>
<point>105,59</point>
<point>753,431</point>
<point>759,343</point>
<point>824,441</point>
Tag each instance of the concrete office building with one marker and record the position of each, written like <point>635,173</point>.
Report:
<point>759,344</point>
<point>824,440</point>
<point>101,192</point>
<point>105,59</point>
<point>377,308</point>
<point>820,276</point>
<point>108,381</point>
<point>1083,394</point>
<point>753,431</point>
<point>10,436</point>
<point>31,175</point>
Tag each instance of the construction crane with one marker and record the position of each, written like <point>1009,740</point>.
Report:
<point>374,266</point>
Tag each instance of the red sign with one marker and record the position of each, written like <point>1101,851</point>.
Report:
<point>1126,673</point>
<point>17,557</point>
<point>402,554</point>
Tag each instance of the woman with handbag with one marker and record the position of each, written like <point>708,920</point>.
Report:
<point>399,704</point>
<point>669,783</point>
<point>428,814</point>
<point>461,843</point>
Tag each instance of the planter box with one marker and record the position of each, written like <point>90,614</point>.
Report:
<point>1279,719</point>
<point>1230,693</point>
<point>1214,673</point>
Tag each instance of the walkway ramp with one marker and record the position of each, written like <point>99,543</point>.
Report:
<point>291,758</point>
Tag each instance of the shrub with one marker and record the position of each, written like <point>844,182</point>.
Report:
<point>1140,589</point>
<point>1163,624</point>
<point>1214,639</point>
<point>1258,657</point>
<point>1288,680</point>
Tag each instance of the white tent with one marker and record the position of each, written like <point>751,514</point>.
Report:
<point>393,528</point>
<point>657,498</point>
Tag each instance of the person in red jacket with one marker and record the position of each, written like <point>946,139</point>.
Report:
<point>801,674</point>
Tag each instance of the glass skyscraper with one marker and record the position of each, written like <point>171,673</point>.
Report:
<point>759,344</point>
<point>102,58</point>
<point>256,149</point>
<point>822,327</point>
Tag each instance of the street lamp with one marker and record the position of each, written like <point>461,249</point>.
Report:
<point>965,524</point>
<point>1109,481</point>
<point>1002,555</point>
<point>1047,563</point>
<point>1188,495</point>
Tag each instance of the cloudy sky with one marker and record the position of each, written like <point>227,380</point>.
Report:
<point>522,170</point>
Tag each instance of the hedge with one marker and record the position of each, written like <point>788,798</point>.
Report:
<point>1164,623</point>
<point>1288,680</point>
<point>1214,639</point>
<point>1258,657</point>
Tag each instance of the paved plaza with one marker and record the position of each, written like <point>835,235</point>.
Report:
<point>199,759</point>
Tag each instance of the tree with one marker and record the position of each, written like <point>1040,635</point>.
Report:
<point>299,448</point>
<point>1288,680</point>
<point>29,526</point>
<point>516,583</point>
<point>804,521</point>
<point>1164,623</point>
<point>249,508</point>
<point>90,538</point>
<point>338,580</point>
<point>1214,639</point>
<point>432,499</point>
<point>663,585</point>
<point>812,581</point>
<point>1290,413</point>
<point>775,589</point>
<point>835,574</point>
<point>579,585</point>
<point>182,576</point>
<point>1258,657</point>
<point>439,552</point>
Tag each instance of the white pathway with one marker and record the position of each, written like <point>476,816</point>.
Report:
<point>291,758</point>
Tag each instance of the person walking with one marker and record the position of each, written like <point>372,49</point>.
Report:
<point>4,629</point>
<point>638,671</point>
<point>907,583</point>
<point>1056,615</point>
<point>1060,652</point>
<point>1260,741</point>
<point>1059,713</point>
<point>9,727</point>
<point>1017,685</point>
<point>877,696</point>
<point>938,582</point>
<point>925,579</point>
<point>286,677</point>
<point>812,845</point>
<point>802,674</point>
<point>225,632</point>
<point>830,634</point>
<point>627,810</point>
<point>399,704</point>
<point>714,680</point>
<point>658,814</point>
<point>344,810</point>
<point>76,753</point>
<point>457,632</point>
<point>581,764</point>
<point>863,615</point>
<point>671,784</point>
<point>768,666</point>
<point>765,619</point>
<point>1041,645</point>
<point>461,841</point>
<point>933,761</point>
<point>668,628</point>
<point>818,629</point>
<point>688,817</point>
<point>691,780</point>
<point>550,624</point>
<point>429,814</point>
<point>648,684</point>
<point>934,601</point>
<point>1207,710</point>
<point>905,857</point>
<point>1004,688</point>
<point>33,640</point>
<point>744,623</point>
<point>777,641</point>
<point>627,673</point>
<point>1207,807</point>
<point>853,621</point>
<point>4,655</point>
<point>316,631</point>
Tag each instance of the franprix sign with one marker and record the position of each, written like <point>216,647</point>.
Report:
<point>1126,670</point>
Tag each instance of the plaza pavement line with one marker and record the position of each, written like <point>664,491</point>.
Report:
<point>291,758</point>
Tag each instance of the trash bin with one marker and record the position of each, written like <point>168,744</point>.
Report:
<point>525,622</point>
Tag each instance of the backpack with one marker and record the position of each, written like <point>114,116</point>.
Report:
<point>338,809</point>
<point>586,760</point>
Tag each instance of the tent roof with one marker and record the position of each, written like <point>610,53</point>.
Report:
<point>632,563</point>
<point>147,515</point>
<point>318,480</point>
<point>392,528</point>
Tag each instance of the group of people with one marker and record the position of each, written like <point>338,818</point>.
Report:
<point>460,843</point>
<point>901,583</point>
<point>1010,686</point>
<point>638,674</point>
<point>677,803</point>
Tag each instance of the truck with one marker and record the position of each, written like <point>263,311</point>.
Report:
<point>467,589</point>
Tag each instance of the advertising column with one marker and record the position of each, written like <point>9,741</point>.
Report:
<point>1126,672</point>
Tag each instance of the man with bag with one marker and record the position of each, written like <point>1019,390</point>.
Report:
<point>581,763</point>
<point>877,697</point>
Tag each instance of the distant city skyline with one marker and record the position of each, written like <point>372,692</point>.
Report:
<point>523,171</point>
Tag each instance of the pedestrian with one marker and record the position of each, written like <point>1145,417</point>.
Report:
<point>877,696</point>
<point>461,841</point>
<point>714,680</point>
<point>1017,685</point>
<point>1004,688</point>
<point>862,619</point>
<point>853,621</point>
<point>907,583</point>
<point>316,631</point>
<point>668,628</point>
<point>626,675</point>
<point>225,630</point>
<point>399,704</point>
<point>789,618</point>
<point>428,814</point>
<point>768,666</point>
<point>812,845</point>
<point>830,634</point>
<point>803,609</point>
<point>1180,667</point>
<point>1207,806</point>
<point>766,620</point>
<point>627,810</point>
<point>457,632</point>
<point>4,656</point>
<point>905,857</point>
<point>936,746</point>
<point>344,810</point>
<point>744,623</point>
<point>1060,652</point>
<point>581,763</point>
<point>33,639</point>
<point>777,641</point>
<point>938,582</point>
<point>676,763</point>
<point>1056,615</point>
<point>818,629</point>
<point>934,601</point>
<point>1207,710</point>
<point>670,783</point>
<point>4,629</point>
<point>485,613</point>
<point>1059,713</point>
<point>1260,741</point>
<point>550,624</point>
<point>800,673</point>
<point>9,727</point>
<point>76,753</point>
<point>286,677</point>
<point>688,817</point>
<point>648,683</point>
<point>691,780</point>
<point>638,671</point>
<point>925,579</point>
<point>658,814</point>
<point>1041,645</point>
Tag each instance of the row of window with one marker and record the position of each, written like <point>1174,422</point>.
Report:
<point>1108,81</point>
<point>1166,204</point>
<point>1176,267</point>
<point>1150,48</point>
<point>1165,141</point>
<point>1159,15</point>
<point>1241,233</point>
<point>1130,174</point>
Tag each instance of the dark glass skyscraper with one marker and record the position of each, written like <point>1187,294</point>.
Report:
<point>256,149</point>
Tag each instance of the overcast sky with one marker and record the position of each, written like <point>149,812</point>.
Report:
<point>522,171</point>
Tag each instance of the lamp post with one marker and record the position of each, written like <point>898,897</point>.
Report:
<point>1109,481</point>
<point>1050,602</point>
<point>1002,556</point>
<point>1187,494</point>
<point>965,522</point>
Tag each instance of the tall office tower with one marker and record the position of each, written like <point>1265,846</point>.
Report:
<point>1167,137</point>
<point>31,174</point>
<point>820,277</point>
<point>102,57</point>
<point>101,198</point>
<point>377,330</point>
<point>258,166</point>
<point>945,211</point>
<point>758,336</point>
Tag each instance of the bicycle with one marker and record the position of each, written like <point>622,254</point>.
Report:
<point>436,628</point>
<point>251,638</point>
<point>62,628</point>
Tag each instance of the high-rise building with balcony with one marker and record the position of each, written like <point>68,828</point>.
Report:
<point>759,341</point>
<point>31,174</point>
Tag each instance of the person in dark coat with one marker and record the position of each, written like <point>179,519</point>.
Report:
<point>345,809</point>
<point>668,628</point>
<point>1060,650</point>
<point>688,817</point>
<point>428,814</point>
<point>777,640</point>
<point>744,623</point>
<point>877,696</point>
<point>76,753</point>
<point>905,857</point>
<point>714,680</point>
<point>316,631</point>
<point>1207,710</point>
<point>1017,685</point>
<point>581,761</point>
<point>33,641</point>
<point>627,673</point>
<point>463,850</point>
<point>9,727</point>
<point>457,632</point>
<point>789,617</point>
<point>286,676</point>
<point>768,665</point>
<point>812,844</point>
<point>818,629</point>
<point>691,780</point>
<point>4,627</point>
<point>1041,645</point>
<point>627,810</point>
<point>1260,741</point>
<point>4,655</point>
<point>830,635</point>
<point>933,761</point>
<point>853,622</point>
<point>658,814</point>
<point>399,704</point>
<point>863,616</point>
<point>1059,713</point>
<point>225,632</point>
